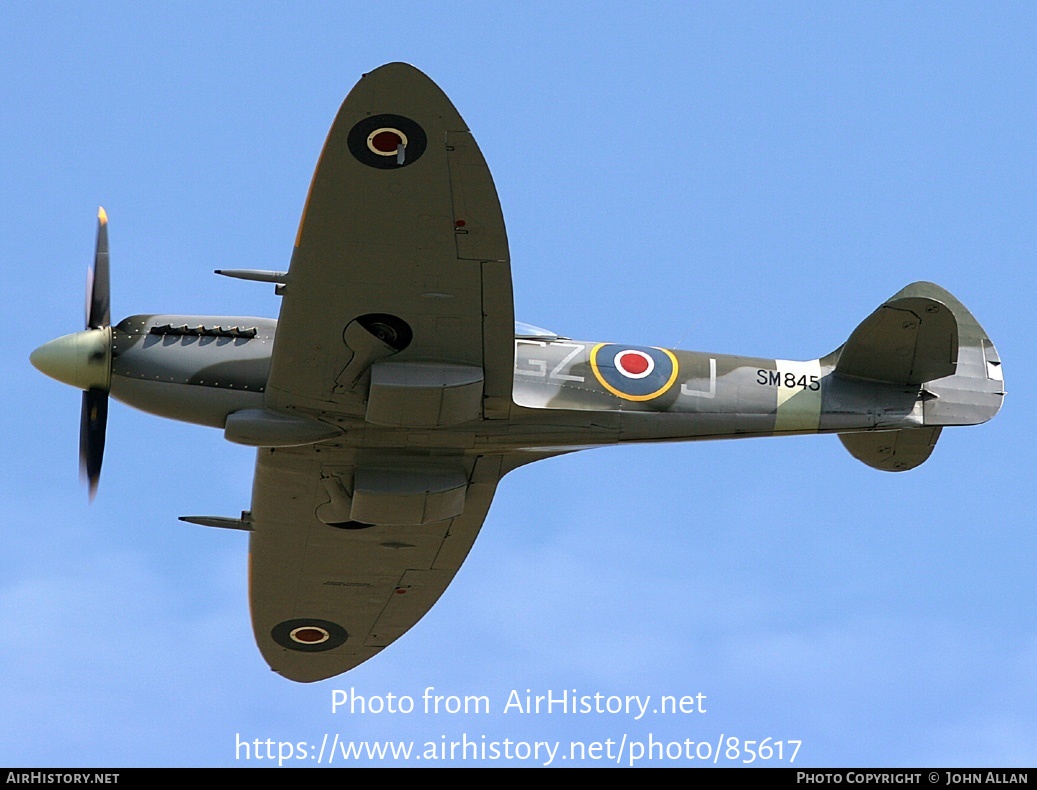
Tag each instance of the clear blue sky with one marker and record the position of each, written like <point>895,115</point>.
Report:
<point>739,178</point>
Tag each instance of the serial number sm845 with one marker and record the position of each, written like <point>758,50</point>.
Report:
<point>775,378</point>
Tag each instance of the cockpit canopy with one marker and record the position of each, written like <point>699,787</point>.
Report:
<point>524,331</point>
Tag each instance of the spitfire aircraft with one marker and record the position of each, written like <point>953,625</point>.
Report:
<point>395,390</point>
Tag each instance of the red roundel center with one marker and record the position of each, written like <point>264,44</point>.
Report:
<point>386,142</point>
<point>309,636</point>
<point>634,364</point>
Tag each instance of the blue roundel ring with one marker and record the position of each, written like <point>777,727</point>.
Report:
<point>637,373</point>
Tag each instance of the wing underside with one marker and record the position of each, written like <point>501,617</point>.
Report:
<point>396,326</point>
<point>401,256</point>
<point>326,594</point>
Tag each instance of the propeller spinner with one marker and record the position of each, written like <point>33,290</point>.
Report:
<point>84,360</point>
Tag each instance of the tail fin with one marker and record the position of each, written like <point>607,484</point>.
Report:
<point>922,338</point>
<point>908,340</point>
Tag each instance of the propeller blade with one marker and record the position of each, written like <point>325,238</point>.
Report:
<point>91,436</point>
<point>98,308</point>
<point>94,418</point>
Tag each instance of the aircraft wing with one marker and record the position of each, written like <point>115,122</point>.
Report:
<point>325,599</point>
<point>402,238</point>
<point>397,319</point>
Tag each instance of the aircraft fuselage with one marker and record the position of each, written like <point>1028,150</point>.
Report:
<point>567,394</point>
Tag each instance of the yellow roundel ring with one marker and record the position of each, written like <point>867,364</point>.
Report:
<point>634,373</point>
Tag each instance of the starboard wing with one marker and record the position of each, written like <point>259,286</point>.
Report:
<point>328,596</point>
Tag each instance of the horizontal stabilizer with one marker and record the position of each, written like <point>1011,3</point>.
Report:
<point>892,451</point>
<point>908,340</point>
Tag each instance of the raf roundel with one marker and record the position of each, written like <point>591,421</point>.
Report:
<point>387,142</point>
<point>635,373</point>
<point>309,635</point>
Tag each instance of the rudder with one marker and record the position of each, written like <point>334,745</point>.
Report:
<point>922,338</point>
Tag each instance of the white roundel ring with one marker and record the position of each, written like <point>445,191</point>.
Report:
<point>309,635</point>
<point>385,141</point>
<point>634,364</point>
